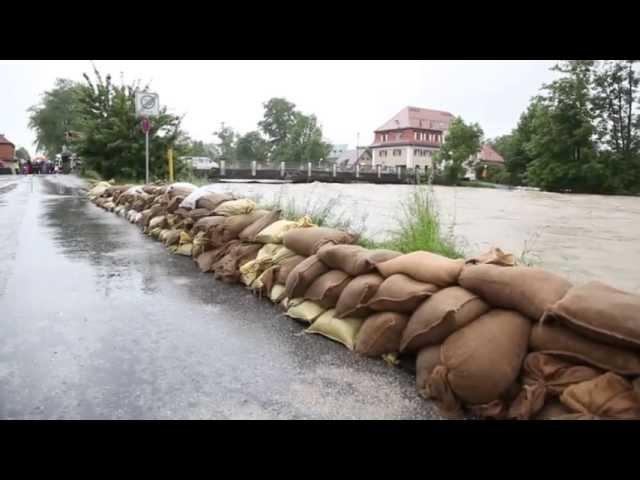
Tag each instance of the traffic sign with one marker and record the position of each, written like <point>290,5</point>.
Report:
<point>147,104</point>
<point>146,125</point>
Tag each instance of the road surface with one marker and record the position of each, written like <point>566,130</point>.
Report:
<point>98,321</point>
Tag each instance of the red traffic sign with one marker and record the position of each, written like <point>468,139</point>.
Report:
<point>146,125</point>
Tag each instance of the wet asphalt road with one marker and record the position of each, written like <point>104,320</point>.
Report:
<point>98,321</point>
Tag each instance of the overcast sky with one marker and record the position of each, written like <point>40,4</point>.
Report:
<point>347,96</point>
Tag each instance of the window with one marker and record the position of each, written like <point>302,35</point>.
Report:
<point>397,153</point>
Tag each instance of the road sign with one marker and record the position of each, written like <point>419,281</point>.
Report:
<point>146,125</point>
<point>147,104</point>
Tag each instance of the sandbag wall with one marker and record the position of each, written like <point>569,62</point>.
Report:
<point>485,337</point>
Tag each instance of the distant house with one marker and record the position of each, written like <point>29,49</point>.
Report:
<point>336,152</point>
<point>8,161</point>
<point>486,157</point>
<point>410,138</point>
<point>200,163</point>
<point>349,158</point>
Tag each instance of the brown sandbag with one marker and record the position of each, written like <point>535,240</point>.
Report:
<point>528,290</point>
<point>356,294</point>
<point>182,212</point>
<point>497,409</point>
<point>303,275</point>
<point>206,223</point>
<point>211,200</point>
<point>425,267</point>
<point>285,268</point>
<point>426,361</point>
<point>172,237</point>
<point>380,334</point>
<point>400,293</point>
<point>237,254</point>
<point>439,316</point>
<point>147,215</point>
<point>174,204</point>
<point>607,397</point>
<point>207,259</point>
<point>600,312</point>
<point>494,256</point>
<point>248,234</point>
<point>554,409</point>
<point>307,241</point>
<point>233,225</point>
<point>266,280</point>
<point>546,376</point>
<point>354,259</point>
<point>556,339</point>
<point>480,362</point>
<point>326,289</point>
<point>199,213</point>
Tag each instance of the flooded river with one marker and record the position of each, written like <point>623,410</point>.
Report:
<point>584,237</point>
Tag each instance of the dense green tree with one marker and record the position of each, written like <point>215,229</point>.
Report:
<point>278,120</point>
<point>226,145</point>
<point>461,143</point>
<point>252,147</point>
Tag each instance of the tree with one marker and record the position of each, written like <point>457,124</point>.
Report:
<point>278,120</point>
<point>227,143</point>
<point>251,147</point>
<point>23,154</point>
<point>461,143</point>
<point>58,111</point>
<point>110,138</point>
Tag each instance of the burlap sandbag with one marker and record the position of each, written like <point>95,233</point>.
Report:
<point>199,213</point>
<point>607,397</point>
<point>307,241</point>
<point>227,269</point>
<point>528,290</point>
<point>357,294</point>
<point>174,204</point>
<point>600,312</point>
<point>303,275</point>
<point>233,225</point>
<point>265,281</point>
<point>285,268</point>
<point>205,224</point>
<point>184,249</point>
<point>305,311</point>
<point>380,334</point>
<point>439,316</point>
<point>201,244</point>
<point>494,256</point>
<point>480,362</point>
<point>207,259</point>
<point>556,339</point>
<point>147,215</point>
<point>426,361</point>
<point>425,267</point>
<point>354,259</point>
<point>180,189</point>
<point>249,233</point>
<point>182,212</point>
<point>497,409</point>
<point>342,330</point>
<point>212,200</point>
<point>158,222</point>
<point>554,409</point>
<point>326,289</point>
<point>235,207</point>
<point>274,232</point>
<point>400,293</point>
<point>277,293</point>
<point>546,376</point>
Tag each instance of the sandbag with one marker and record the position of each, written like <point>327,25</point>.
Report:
<point>545,376</point>
<point>342,330</point>
<point>206,260</point>
<point>306,311</point>
<point>400,293</point>
<point>353,259</point>
<point>303,275</point>
<point>174,204</point>
<point>424,267</point>
<point>274,232</point>
<point>480,362</point>
<point>182,212</point>
<point>233,225</point>
<point>607,397</point>
<point>494,256</point>
<point>426,361</point>
<point>528,290</point>
<point>205,224</point>
<point>439,316</point>
<point>556,339</point>
<point>184,249</point>
<point>380,334</point>
<point>200,243</point>
<point>326,289</point>
<point>265,281</point>
<point>285,268</point>
<point>268,255</point>
<point>249,233</point>
<point>554,409</point>
<point>212,200</point>
<point>227,269</point>
<point>158,222</point>
<point>235,207</point>
<point>155,232</point>
<point>182,189</point>
<point>357,294</point>
<point>497,409</point>
<point>307,241</point>
<point>600,312</point>
<point>277,293</point>
<point>199,213</point>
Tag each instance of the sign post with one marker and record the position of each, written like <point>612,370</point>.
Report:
<point>170,155</point>
<point>147,105</point>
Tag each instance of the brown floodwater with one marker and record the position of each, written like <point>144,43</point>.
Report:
<point>584,237</point>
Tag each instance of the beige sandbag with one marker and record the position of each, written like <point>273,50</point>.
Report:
<point>326,289</point>
<point>426,361</point>
<point>265,281</point>
<point>200,244</point>
<point>158,222</point>
<point>528,290</point>
<point>303,275</point>
<point>274,232</point>
<point>480,362</point>
<point>554,409</point>
<point>400,293</point>
<point>607,397</point>
<point>380,334</point>
<point>249,233</point>
<point>250,271</point>
<point>174,204</point>
<point>354,259</point>
<point>307,241</point>
<point>232,226</point>
<point>277,293</point>
<point>543,377</point>
<point>494,256</point>
<point>212,200</point>
<point>306,311</point>
<point>357,294</point>
<point>185,249</point>
<point>439,316</point>
<point>600,312</point>
<point>342,330</point>
<point>425,267</point>
<point>199,213</point>
<point>206,223</point>
<point>235,207</point>
<point>556,339</point>
<point>155,232</point>
<point>238,253</point>
<point>285,268</point>
<point>182,212</point>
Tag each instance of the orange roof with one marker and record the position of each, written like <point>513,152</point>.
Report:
<point>488,154</point>
<point>4,141</point>
<point>413,117</point>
